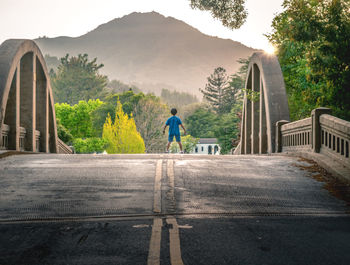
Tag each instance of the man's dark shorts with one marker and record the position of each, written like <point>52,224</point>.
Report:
<point>171,138</point>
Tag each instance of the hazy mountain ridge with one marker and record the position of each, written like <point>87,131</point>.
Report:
<point>148,48</point>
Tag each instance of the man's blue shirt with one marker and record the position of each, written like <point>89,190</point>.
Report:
<point>174,123</point>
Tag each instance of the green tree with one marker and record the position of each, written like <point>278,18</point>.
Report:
<point>202,123</point>
<point>231,13</point>
<point>89,145</point>
<point>227,131</point>
<point>188,144</point>
<point>77,118</point>
<point>150,115</point>
<point>312,38</point>
<point>177,99</point>
<point>214,90</point>
<point>121,135</point>
<point>77,79</point>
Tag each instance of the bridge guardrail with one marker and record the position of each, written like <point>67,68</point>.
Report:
<point>321,133</point>
<point>335,137</point>
<point>63,148</point>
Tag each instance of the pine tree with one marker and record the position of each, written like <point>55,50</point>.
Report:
<point>215,88</point>
<point>122,135</point>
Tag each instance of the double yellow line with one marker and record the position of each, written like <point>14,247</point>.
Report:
<point>174,238</point>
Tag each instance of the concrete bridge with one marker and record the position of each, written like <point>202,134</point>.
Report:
<point>265,205</point>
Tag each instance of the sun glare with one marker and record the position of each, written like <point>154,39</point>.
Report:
<point>270,49</point>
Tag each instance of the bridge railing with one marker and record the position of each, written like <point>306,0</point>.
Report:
<point>321,133</point>
<point>63,148</point>
<point>335,137</point>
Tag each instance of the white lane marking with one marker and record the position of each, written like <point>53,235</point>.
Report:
<point>140,226</point>
<point>175,250</point>
<point>154,246</point>
<point>157,200</point>
<point>185,226</point>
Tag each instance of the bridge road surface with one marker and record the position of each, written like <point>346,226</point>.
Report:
<point>167,209</point>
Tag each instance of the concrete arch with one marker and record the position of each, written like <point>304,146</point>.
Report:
<point>260,114</point>
<point>27,114</point>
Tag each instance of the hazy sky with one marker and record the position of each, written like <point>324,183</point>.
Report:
<point>33,18</point>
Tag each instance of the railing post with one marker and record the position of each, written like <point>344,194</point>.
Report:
<point>316,127</point>
<point>279,135</point>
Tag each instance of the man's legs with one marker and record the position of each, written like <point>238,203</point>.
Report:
<point>167,146</point>
<point>180,145</point>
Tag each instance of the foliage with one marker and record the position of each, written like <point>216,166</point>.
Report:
<point>188,144</point>
<point>52,62</point>
<point>177,99</point>
<point>78,79</point>
<point>89,145</point>
<point>202,123</point>
<point>312,38</point>
<point>129,101</point>
<point>77,118</point>
<point>150,115</point>
<point>215,89</point>
<point>228,130</point>
<point>63,133</point>
<point>121,135</point>
<point>116,86</point>
<point>231,13</point>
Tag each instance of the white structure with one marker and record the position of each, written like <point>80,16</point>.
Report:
<point>207,146</point>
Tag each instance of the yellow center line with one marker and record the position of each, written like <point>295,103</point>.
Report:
<point>154,246</point>
<point>175,250</point>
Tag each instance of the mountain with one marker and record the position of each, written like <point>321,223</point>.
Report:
<point>152,51</point>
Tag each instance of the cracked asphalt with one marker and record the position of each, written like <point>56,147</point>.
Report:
<point>168,209</point>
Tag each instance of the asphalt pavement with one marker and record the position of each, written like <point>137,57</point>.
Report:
<point>168,209</point>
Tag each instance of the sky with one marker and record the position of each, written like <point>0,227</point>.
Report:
<point>53,18</point>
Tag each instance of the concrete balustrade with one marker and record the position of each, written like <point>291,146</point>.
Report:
<point>296,136</point>
<point>335,137</point>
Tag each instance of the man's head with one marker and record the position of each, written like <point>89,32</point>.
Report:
<point>173,111</point>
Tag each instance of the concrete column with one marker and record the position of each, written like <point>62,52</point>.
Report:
<point>279,144</point>
<point>316,127</point>
<point>12,112</point>
<point>242,141</point>
<point>42,107</point>
<point>262,122</point>
<point>248,118</point>
<point>27,96</point>
<point>255,110</point>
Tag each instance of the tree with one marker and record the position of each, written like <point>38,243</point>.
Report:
<point>78,79</point>
<point>150,115</point>
<point>89,145</point>
<point>188,144</point>
<point>312,38</point>
<point>214,90</point>
<point>121,135</point>
<point>77,118</point>
<point>202,123</point>
<point>177,99</point>
<point>231,13</point>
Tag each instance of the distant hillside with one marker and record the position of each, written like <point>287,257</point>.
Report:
<point>152,51</point>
